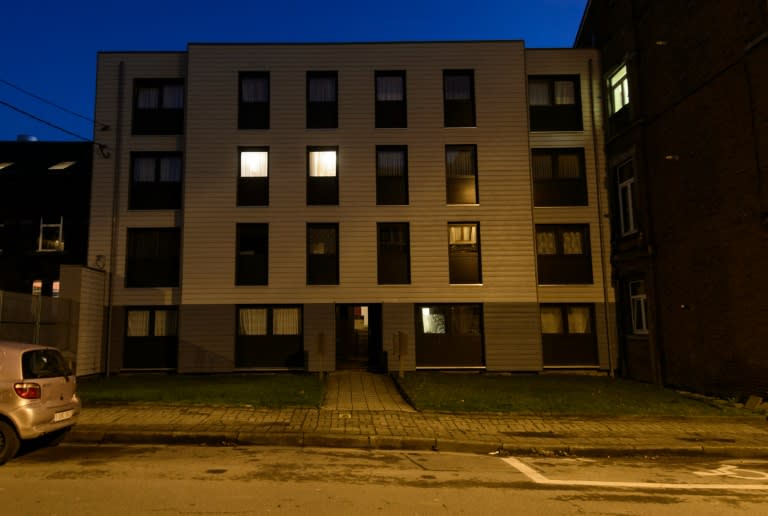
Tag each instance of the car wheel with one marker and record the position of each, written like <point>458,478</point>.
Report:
<point>9,442</point>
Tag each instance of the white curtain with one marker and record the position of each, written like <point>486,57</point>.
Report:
<point>138,323</point>
<point>579,320</point>
<point>254,164</point>
<point>458,87</point>
<point>433,321</point>
<point>564,93</point>
<point>542,166</point>
<point>572,242</point>
<point>173,96</point>
<point>462,234</point>
<point>551,320</point>
<point>170,169</point>
<point>253,321</point>
<point>144,170</point>
<point>322,89</point>
<point>255,89</point>
<point>389,88</point>
<point>322,163</point>
<point>390,163</point>
<point>545,242</point>
<point>460,163</point>
<point>148,98</point>
<point>285,321</point>
<point>569,166</point>
<point>165,323</point>
<point>538,93</point>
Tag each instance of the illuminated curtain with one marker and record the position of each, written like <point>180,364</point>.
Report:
<point>285,321</point>
<point>579,320</point>
<point>165,323</point>
<point>551,320</point>
<point>462,234</point>
<point>545,242</point>
<point>253,321</point>
<point>564,93</point>
<point>572,242</point>
<point>254,164</point>
<point>322,163</point>
<point>138,323</point>
<point>538,93</point>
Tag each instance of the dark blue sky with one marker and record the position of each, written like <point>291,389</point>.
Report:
<point>49,47</point>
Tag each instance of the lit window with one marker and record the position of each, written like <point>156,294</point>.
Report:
<point>50,238</point>
<point>322,163</point>
<point>618,88</point>
<point>322,175</point>
<point>625,179</point>
<point>37,287</point>
<point>638,304</point>
<point>62,165</point>
<point>56,289</point>
<point>5,164</point>
<point>253,180</point>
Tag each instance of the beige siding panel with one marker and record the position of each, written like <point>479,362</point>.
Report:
<point>85,289</point>
<point>206,338</point>
<point>399,327</point>
<point>320,336</point>
<point>512,337</point>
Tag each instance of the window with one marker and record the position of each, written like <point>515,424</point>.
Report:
<point>464,253</point>
<point>625,181</point>
<point>51,238</point>
<point>251,266</point>
<point>391,109</point>
<point>391,174</point>
<point>568,335</point>
<point>461,174</point>
<point>558,177</point>
<point>555,103</point>
<point>158,106</point>
<point>394,259</point>
<point>253,177</point>
<point>618,90</point>
<point>269,336</point>
<point>459,98</point>
<point>155,181</point>
<point>322,175</point>
<point>322,100</point>
<point>322,254</point>
<point>638,302</point>
<point>151,338</point>
<point>253,108</point>
<point>153,257</point>
<point>563,254</point>
<point>449,335</point>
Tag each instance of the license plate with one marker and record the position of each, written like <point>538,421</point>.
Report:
<point>61,416</point>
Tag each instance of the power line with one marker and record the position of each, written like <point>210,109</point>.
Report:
<point>30,115</point>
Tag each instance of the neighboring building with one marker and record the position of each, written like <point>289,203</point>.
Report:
<point>322,206</point>
<point>44,209</point>
<point>686,105</point>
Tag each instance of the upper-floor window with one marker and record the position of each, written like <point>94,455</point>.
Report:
<point>322,254</point>
<point>391,174</point>
<point>51,236</point>
<point>322,175</point>
<point>618,90</point>
<point>464,253</point>
<point>322,100</point>
<point>253,177</point>
<point>251,265</point>
<point>394,253</point>
<point>461,174</point>
<point>558,177</point>
<point>563,254</point>
<point>638,302</point>
<point>155,181</point>
<point>158,106</point>
<point>391,107</point>
<point>625,183</point>
<point>555,103</point>
<point>153,257</point>
<point>459,98</point>
<point>253,108</point>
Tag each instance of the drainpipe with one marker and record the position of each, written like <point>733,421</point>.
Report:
<point>598,176</point>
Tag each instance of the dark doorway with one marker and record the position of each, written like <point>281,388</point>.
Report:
<point>358,338</point>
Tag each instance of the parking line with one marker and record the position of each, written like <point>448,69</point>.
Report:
<point>538,478</point>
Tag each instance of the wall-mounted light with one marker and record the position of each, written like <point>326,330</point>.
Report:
<point>661,43</point>
<point>672,157</point>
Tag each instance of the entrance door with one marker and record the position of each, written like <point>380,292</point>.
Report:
<point>358,338</point>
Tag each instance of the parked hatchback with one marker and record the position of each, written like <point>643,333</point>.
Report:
<point>37,395</point>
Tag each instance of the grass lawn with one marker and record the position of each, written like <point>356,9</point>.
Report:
<point>548,395</point>
<point>257,390</point>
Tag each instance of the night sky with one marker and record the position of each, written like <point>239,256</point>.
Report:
<point>48,47</point>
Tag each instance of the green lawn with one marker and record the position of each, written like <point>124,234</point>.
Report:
<point>257,390</point>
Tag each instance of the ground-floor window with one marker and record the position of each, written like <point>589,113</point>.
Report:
<point>269,336</point>
<point>568,335</point>
<point>151,338</point>
<point>449,335</point>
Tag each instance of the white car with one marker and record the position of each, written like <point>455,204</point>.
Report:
<point>37,395</point>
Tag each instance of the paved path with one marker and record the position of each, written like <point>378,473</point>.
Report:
<point>365,411</point>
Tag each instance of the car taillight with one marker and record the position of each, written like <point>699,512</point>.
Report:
<point>28,391</point>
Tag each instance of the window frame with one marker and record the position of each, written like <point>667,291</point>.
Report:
<point>639,300</point>
<point>621,86</point>
<point>459,188</point>
<point>459,112</point>
<point>554,116</point>
<point>252,190</point>
<point>322,271</point>
<point>390,113</point>
<point>157,120</point>
<point>392,190</point>
<point>567,348</point>
<point>163,348</point>
<point>322,190</point>
<point>146,272</point>
<point>562,267</point>
<point>253,114</point>
<point>246,260</point>
<point>156,194</point>
<point>627,204</point>
<point>393,261</point>
<point>269,350</point>
<point>322,114</point>
<point>465,257</point>
<point>558,191</point>
<point>58,243</point>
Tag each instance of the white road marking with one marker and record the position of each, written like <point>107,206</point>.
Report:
<point>729,470</point>
<point>538,478</point>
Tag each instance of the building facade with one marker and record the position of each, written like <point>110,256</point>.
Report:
<point>387,206</point>
<point>686,107</point>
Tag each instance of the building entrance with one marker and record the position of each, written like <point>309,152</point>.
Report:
<point>358,337</point>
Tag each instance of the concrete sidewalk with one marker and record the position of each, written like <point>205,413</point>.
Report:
<point>365,411</point>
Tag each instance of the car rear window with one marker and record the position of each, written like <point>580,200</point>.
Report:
<point>43,363</point>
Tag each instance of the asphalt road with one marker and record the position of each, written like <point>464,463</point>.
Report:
<point>199,480</point>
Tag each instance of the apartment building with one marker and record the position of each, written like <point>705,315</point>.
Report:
<point>326,206</point>
<point>686,101</point>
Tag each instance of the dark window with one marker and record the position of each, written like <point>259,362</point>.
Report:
<point>563,254</point>
<point>251,267</point>
<point>449,335</point>
<point>625,185</point>
<point>558,177</point>
<point>459,98</point>
<point>155,181</point>
<point>391,107</point>
<point>464,253</point>
<point>158,106</point>
<point>322,175</point>
<point>151,338</point>
<point>153,257</point>
<point>461,174</point>
<point>253,177</point>
<point>44,363</point>
<point>567,334</point>
<point>322,254</point>
<point>269,336</point>
<point>391,174</point>
<point>322,100</point>
<point>394,259</point>
<point>555,103</point>
<point>253,108</point>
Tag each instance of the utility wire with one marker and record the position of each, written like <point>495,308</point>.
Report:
<point>46,122</point>
<point>50,103</point>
